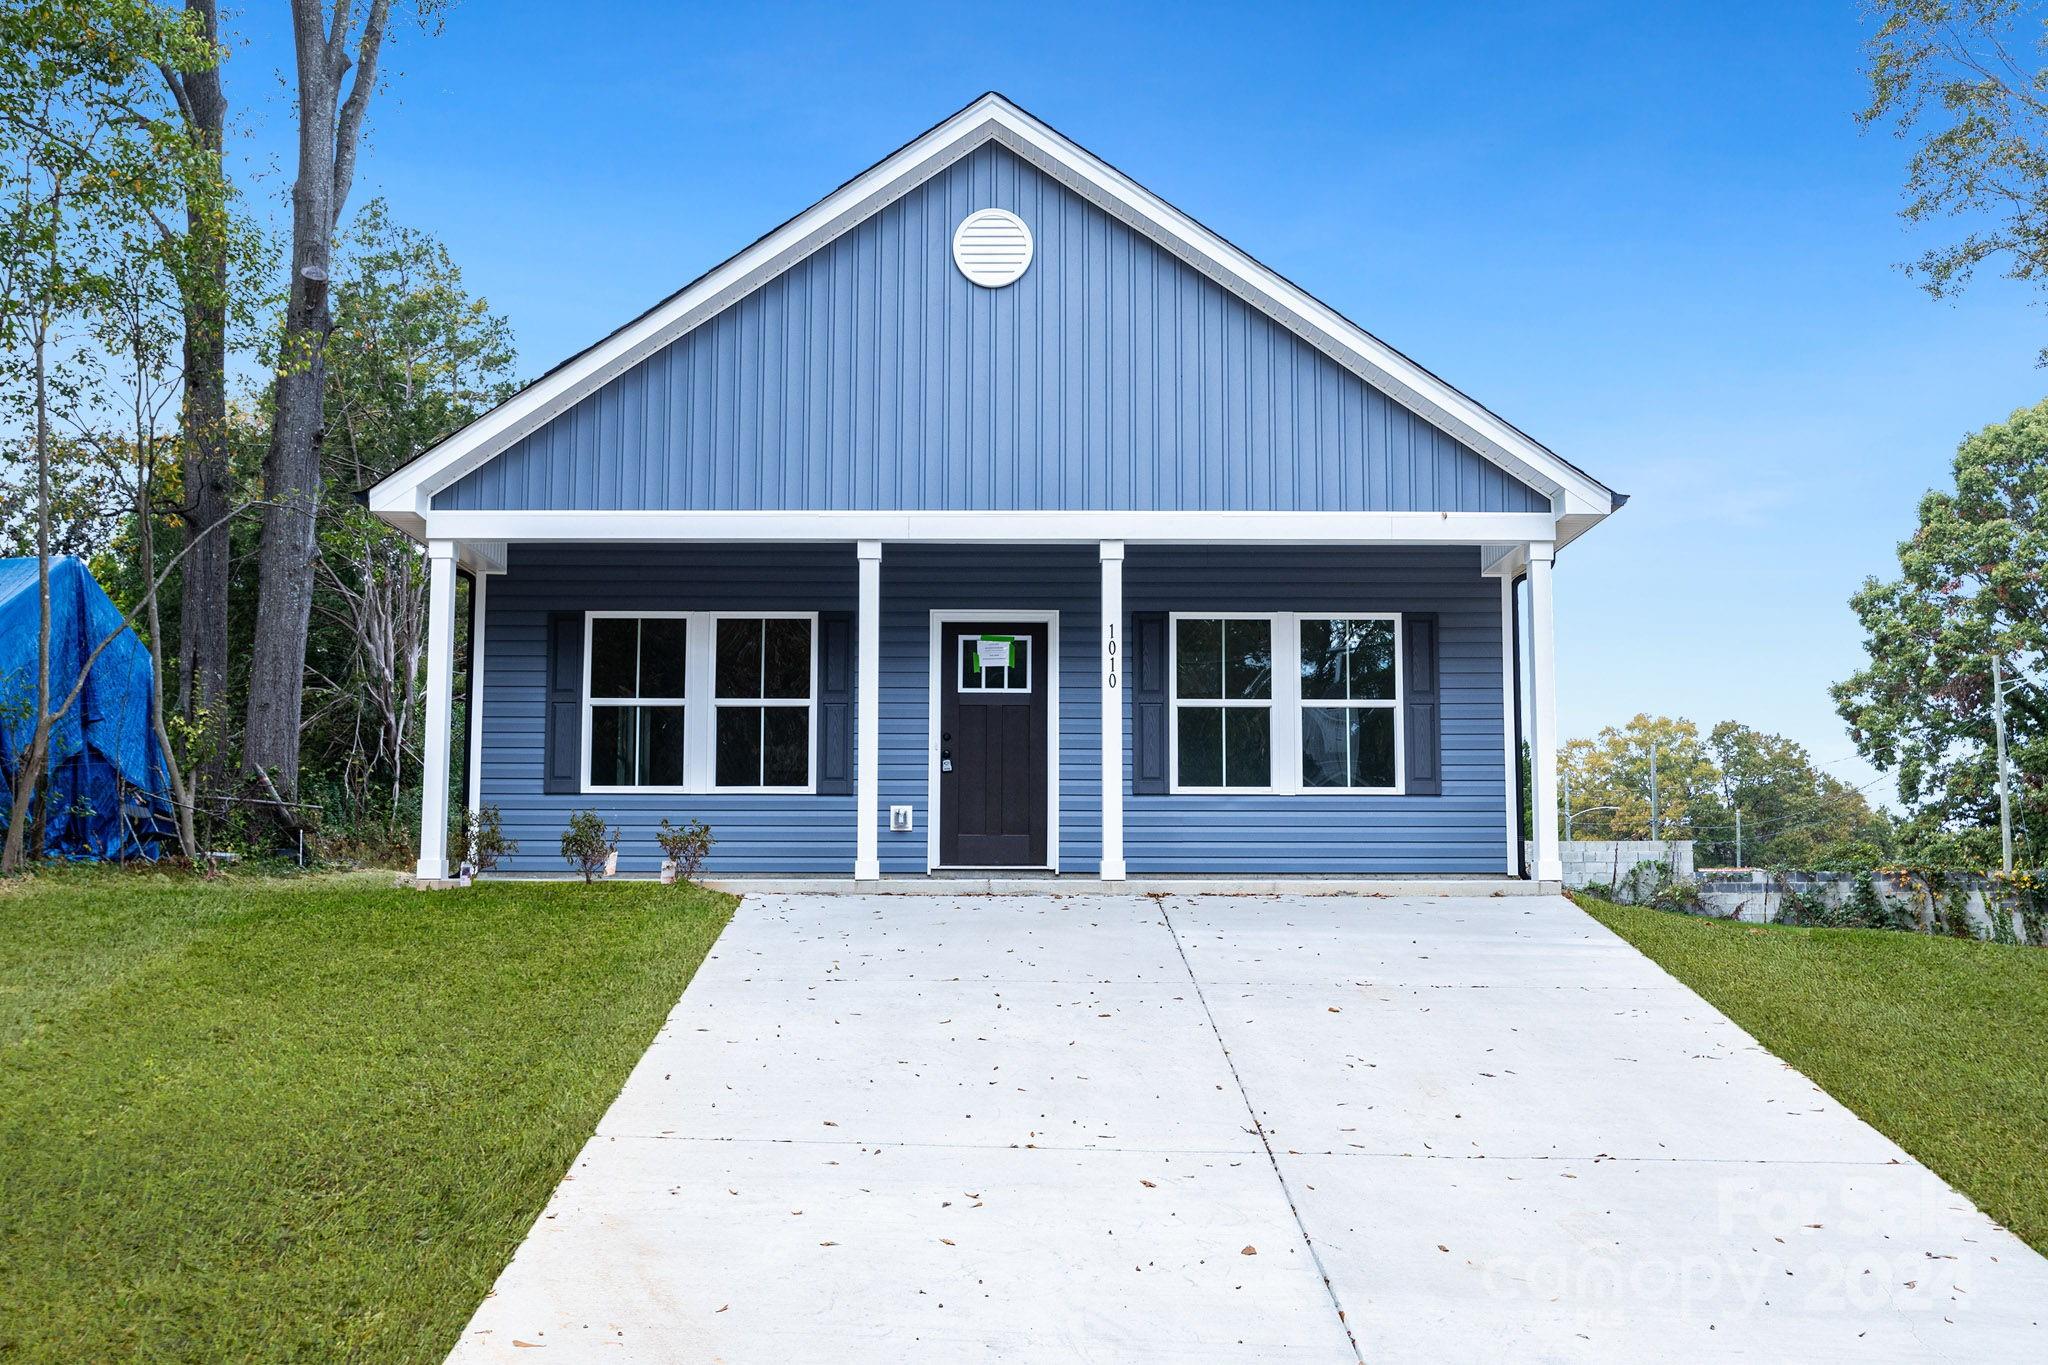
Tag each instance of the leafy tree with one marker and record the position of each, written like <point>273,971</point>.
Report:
<point>1613,770</point>
<point>84,155</point>
<point>1973,582</point>
<point>1793,814</point>
<point>413,356</point>
<point>334,88</point>
<point>1961,79</point>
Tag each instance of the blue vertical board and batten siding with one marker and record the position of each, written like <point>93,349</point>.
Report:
<point>1460,831</point>
<point>872,375</point>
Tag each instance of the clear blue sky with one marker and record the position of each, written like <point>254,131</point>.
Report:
<point>1651,235</point>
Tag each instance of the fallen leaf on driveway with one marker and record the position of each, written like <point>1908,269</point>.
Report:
<point>1335,1010</point>
<point>1249,1251</point>
<point>532,1345</point>
<point>1148,1184</point>
<point>947,1240</point>
<point>1441,1247</point>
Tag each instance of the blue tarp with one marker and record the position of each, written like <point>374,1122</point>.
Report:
<point>107,796</point>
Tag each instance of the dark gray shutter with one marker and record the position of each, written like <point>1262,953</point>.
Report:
<point>835,703</point>
<point>564,742</point>
<point>1146,676</point>
<point>1420,679</point>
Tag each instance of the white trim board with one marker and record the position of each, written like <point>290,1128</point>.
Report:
<point>981,528</point>
<point>941,617</point>
<point>404,496</point>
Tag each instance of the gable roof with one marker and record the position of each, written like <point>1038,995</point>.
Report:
<point>402,497</point>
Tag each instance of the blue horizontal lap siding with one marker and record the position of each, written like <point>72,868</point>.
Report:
<point>872,375</point>
<point>755,833</point>
<point>1462,830</point>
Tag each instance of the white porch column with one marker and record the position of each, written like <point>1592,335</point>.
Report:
<point>433,864</point>
<point>1543,715</point>
<point>867,719</point>
<point>478,592</point>
<point>1112,552</point>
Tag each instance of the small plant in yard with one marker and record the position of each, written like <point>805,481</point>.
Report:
<point>587,845</point>
<point>684,848</point>
<point>479,836</point>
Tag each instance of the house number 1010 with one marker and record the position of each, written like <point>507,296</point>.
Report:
<point>1109,648</point>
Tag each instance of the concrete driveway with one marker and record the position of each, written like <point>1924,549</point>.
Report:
<point>1233,1129</point>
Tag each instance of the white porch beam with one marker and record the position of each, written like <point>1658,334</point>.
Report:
<point>980,528</point>
<point>1112,555</point>
<point>867,687</point>
<point>1543,715</point>
<point>433,863</point>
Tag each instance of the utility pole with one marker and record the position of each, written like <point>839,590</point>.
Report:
<point>2004,781</point>
<point>1566,778</point>
<point>1738,837</point>
<point>1656,827</point>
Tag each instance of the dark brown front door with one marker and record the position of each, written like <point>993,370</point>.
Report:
<point>992,744</point>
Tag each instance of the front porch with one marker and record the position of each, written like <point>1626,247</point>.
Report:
<point>1116,811</point>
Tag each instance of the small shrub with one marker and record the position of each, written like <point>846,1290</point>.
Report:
<point>479,838</point>
<point>685,847</point>
<point>587,845</point>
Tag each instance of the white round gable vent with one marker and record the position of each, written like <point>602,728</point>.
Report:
<point>992,247</point>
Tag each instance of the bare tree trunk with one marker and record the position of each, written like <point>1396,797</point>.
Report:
<point>30,774</point>
<point>203,609</point>
<point>289,548</point>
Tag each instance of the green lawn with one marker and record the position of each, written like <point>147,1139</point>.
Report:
<point>1940,1043</point>
<point>302,1119</point>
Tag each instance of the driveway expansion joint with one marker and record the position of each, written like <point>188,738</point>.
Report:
<point>1258,1129</point>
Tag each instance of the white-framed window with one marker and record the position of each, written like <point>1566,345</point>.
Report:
<point>635,700</point>
<point>1288,702</point>
<point>994,663</point>
<point>700,701</point>
<point>765,688</point>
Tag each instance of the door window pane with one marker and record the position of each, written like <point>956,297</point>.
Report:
<point>614,656</point>
<point>976,676</point>
<point>1198,659</point>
